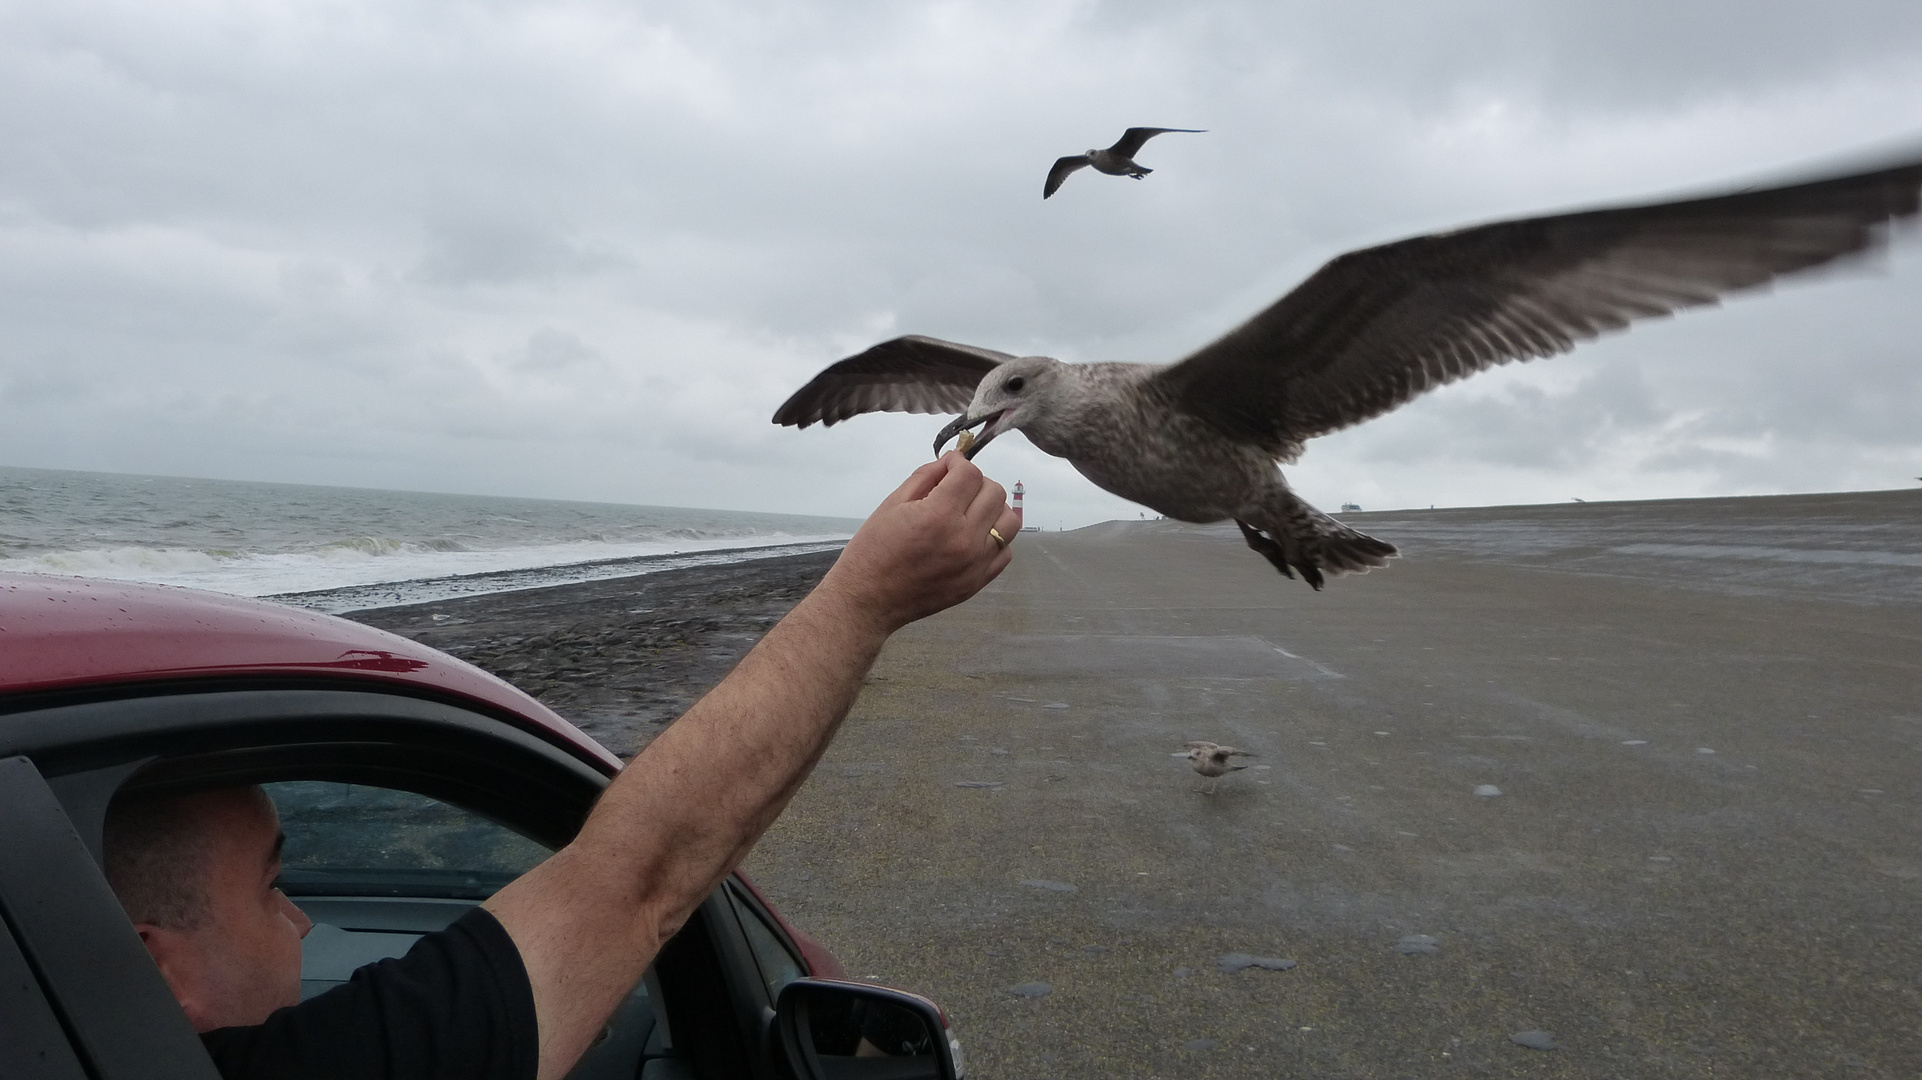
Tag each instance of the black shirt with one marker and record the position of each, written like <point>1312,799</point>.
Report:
<point>458,1005</point>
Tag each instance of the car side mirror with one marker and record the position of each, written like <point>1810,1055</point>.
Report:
<point>835,1030</point>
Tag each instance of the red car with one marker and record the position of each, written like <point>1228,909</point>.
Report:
<point>410,786</point>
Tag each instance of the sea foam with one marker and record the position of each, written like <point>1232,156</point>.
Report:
<point>254,539</point>
<point>337,566</point>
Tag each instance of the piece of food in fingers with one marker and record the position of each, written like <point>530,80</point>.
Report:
<point>964,442</point>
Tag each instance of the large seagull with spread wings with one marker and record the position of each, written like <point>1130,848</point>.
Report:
<point>1200,440</point>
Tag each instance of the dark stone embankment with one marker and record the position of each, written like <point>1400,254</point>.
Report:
<point>622,657</point>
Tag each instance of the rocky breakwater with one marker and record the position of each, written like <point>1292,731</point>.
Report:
<point>622,657</point>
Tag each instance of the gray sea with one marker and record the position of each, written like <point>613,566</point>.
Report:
<point>339,549</point>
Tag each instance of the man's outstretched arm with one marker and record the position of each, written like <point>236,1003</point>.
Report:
<point>686,811</point>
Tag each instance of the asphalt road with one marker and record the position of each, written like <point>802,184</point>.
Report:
<point>1704,720</point>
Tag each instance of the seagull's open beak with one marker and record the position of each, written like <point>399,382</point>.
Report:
<point>961,423</point>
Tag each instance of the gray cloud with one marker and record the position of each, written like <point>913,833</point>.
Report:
<point>583,249</point>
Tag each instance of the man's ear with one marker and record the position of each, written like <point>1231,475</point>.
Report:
<point>179,963</point>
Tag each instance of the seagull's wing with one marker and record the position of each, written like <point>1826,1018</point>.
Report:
<point>1226,752</point>
<point>1375,328</point>
<point>908,374</point>
<point>1062,167</point>
<point>1133,139</point>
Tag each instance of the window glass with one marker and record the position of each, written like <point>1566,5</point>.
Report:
<point>350,839</point>
<point>778,966</point>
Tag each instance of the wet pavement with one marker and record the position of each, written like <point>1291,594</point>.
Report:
<point>1591,791</point>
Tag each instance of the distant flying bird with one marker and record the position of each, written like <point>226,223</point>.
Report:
<point>1373,329</point>
<point>1116,160</point>
<point>1211,761</point>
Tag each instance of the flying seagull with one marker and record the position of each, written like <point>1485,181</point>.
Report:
<point>1116,160</point>
<point>1211,761</point>
<point>1199,440</point>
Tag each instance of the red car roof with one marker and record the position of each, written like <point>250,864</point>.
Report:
<point>60,632</point>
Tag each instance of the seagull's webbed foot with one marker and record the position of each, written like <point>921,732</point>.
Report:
<point>1272,550</point>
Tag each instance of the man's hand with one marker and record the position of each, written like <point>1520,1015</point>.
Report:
<point>925,548</point>
<point>590,919</point>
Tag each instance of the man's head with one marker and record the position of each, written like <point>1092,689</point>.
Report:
<point>196,875</point>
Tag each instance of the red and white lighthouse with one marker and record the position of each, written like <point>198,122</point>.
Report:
<point>1016,503</point>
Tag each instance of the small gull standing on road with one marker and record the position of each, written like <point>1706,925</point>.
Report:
<point>1211,761</point>
<point>1200,440</point>
<point>1116,160</point>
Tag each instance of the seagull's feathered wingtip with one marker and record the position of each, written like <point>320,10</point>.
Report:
<point>1059,172</point>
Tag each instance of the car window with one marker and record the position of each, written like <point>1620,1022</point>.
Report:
<point>375,869</point>
<point>352,839</point>
<point>778,966</point>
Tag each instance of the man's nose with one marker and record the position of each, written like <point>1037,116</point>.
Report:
<point>295,915</point>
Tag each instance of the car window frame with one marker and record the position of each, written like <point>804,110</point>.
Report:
<point>249,731</point>
<point>190,739</point>
<point>33,1046</point>
<point>748,906</point>
<point>84,752</point>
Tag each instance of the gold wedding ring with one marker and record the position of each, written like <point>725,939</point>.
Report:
<point>999,540</point>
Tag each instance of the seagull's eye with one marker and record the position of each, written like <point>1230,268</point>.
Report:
<point>1015,384</point>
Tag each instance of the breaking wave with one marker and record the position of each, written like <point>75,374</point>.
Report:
<point>268,539</point>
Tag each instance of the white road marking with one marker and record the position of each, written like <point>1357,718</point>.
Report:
<point>1323,668</point>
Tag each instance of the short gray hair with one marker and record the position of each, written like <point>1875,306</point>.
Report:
<point>159,852</point>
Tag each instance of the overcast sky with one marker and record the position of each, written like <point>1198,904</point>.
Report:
<point>582,250</point>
